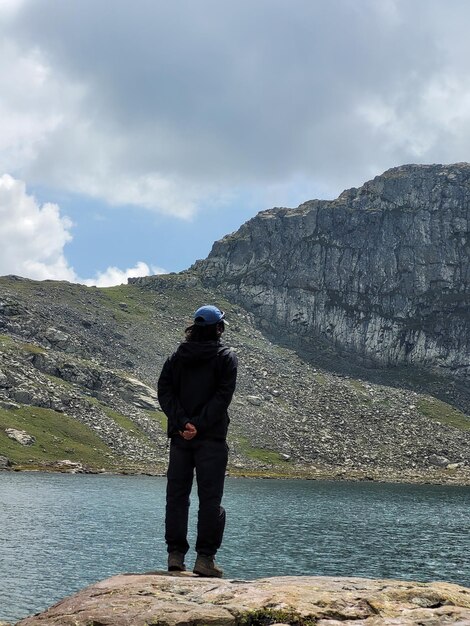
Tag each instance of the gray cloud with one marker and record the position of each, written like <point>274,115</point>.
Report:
<point>180,100</point>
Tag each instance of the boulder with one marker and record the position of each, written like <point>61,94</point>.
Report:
<point>21,436</point>
<point>3,379</point>
<point>24,396</point>
<point>140,394</point>
<point>5,463</point>
<point>72,467</point>
<point>438,461</point>
<point>182,599</point>
<point>6,404</point>
<point>56,337</point>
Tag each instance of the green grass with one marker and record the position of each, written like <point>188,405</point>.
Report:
<point>444,413</point>
<point>358,386</point>
<point>58,437</point>
<point>258,454</point>
<point>319,378</point>
<point>362,389</point>
<point>265,616</point>
<point>138,303</point>
<point>125,423</point>
<point>160,417</point>
<point>8,343</point>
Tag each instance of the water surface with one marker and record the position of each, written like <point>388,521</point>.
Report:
<point>61,532</point>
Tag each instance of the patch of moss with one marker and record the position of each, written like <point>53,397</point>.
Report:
<point>258,454</point>
<point>125,423</point>
<point>65,384</point>
<point>129,302</point>
<point>358,386</point>
<point>320,378</point>
<point>57,435</point>
<point>8,343</point>
<point>385,402</point>
<point>443,413</point>
<point>265,617</point>
<point>361,388</point>
<point>160,417</point>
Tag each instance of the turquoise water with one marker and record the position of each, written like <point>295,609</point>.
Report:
<point>62,532</point>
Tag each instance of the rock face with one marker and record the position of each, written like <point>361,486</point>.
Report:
<point>20,436</point>
<point>176,600</point>
<point>381,273</point>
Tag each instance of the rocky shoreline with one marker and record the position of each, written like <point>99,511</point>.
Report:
<point>163,599</point>
<point>435,477</point>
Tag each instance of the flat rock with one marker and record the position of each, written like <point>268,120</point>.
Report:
<point>21,436</point>
<point>162,599</point>
<point>140,394</point>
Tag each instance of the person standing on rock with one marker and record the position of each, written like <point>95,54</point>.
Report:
<point>195,389</point>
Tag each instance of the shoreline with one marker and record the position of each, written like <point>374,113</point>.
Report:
<point>435,476</point>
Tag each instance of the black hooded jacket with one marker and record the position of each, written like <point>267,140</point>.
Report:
<point>196,385</point>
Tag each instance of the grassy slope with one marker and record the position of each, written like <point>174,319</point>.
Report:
<point>444,413</point>
<point>57,435</point>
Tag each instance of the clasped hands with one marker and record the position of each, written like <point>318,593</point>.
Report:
<point>189,432</point>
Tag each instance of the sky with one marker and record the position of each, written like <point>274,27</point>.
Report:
<point>135,133</point>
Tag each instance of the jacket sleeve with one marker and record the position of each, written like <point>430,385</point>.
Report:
<point>217,406</point>
<point>169,401</point>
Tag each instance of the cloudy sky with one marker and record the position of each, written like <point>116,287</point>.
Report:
<point>135,133</point>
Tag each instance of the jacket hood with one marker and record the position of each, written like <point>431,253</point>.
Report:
<point>193,351</point>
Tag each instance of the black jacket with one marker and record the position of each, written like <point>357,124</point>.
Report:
<point>196,385</point>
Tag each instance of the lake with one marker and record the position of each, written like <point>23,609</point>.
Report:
<point>61,532</point>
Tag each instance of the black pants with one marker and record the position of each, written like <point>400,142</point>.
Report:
<point>209,459</point>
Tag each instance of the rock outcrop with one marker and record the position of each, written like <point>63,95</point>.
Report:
<point>21,436</point>
<point>5,462</point>
<point>179,600</point>
<point>381,274</point>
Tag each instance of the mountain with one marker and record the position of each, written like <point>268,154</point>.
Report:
<point>79,365</point>
<point>378,278</point>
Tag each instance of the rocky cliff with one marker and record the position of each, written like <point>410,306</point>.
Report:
<point>379,275</point>
<point>179,600</point>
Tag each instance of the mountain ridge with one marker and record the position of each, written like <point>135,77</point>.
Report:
<point>303,407</point>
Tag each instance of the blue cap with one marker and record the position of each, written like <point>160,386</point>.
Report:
<point>207,315</point>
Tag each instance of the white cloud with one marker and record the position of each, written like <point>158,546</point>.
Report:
<point>173,104</point>
<point>30,108</point>
<point>33,237</point>
<point>115,276</point>
<point>8,8</point>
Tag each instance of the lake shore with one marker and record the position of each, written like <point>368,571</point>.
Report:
<point>431,476</point>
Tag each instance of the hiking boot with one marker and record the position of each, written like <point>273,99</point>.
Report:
<point>176,562</point>
<point>206,566</point>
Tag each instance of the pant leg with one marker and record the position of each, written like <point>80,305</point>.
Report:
<point>211,463</point>
<point>180,480</point>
